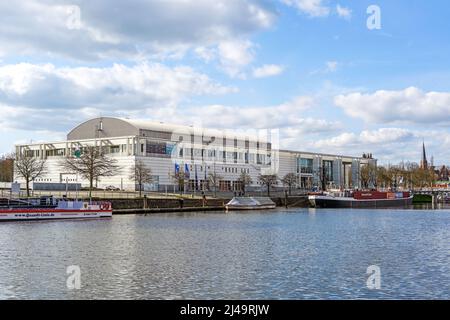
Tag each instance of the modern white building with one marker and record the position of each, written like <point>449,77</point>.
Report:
<point>199,152</point>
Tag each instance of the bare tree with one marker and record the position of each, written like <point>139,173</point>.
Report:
<point>29,168</point>
<point>91,164</point>
<point>289,180</point>
<point>245,180</point>
<point>368,175</point>
<point>268,180</point>
<point>383,177</point>
<point>141,174</point>
<point>214,181</point>
<point>179,178</point>
<point>7,168</point>
<point>406,175</point>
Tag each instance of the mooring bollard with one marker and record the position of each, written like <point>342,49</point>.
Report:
<point>285,199</point>
<point>181,202</point>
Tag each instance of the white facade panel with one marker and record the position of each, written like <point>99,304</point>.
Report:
<point>159,147</point>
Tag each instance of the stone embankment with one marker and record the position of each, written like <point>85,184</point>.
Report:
<point>152,205</point>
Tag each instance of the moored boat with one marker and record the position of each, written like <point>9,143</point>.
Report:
<point>250,203</point>
<point>362,199</point>
<point>17,210</point>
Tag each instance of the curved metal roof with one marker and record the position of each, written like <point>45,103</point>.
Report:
<point>116,127</point>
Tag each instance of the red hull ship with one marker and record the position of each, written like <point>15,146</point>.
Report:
<point>362,199</point>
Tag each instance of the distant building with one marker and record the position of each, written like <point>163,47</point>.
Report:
<point>443,173</point>
<point>199,151</point>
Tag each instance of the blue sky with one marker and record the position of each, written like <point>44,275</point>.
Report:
<point>310,68</point>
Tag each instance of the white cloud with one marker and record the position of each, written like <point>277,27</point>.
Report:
<point>290,115</point>
<point>382,136</point>
<point>206,53</point>
<point>110,88</point>
<point>388,145</point>
<point>313,8</point>
<point>330,67</point>
<point>234,58</point>
<point>344,12</point>
<point>44,119</point>
<point>116,29</point>
<point>268,70</point>
<point>411,105</point>
<point>235,55</point>
<point>318,8</point>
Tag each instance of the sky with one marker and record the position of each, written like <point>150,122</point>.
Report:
<point>343,77</point>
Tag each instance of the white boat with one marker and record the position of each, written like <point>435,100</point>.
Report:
<point>17,210</point>
<point>250,203</point>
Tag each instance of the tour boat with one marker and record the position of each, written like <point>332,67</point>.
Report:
<point>361,199</point>
<point>53,209</point>
<point>250,203</point>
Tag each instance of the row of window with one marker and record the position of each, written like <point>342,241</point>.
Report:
<point>223,169</point>
<point>166,149</point>
<point>306,166</point>
<point>48,153</point>
<point>242,157</point>
<point>169,136</point>
<point>42,180</point>
<point>62,151</point>
<point>224,185</point>
<point>235,170</point>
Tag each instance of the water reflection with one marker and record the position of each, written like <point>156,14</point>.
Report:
<point>294,254</point>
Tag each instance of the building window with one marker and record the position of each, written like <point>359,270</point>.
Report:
<point>328,171</point>
<point>55,153</point>
<point>115,149</point>
<point>155,148</point>
<point>305,166</point>
<point>259,159</point>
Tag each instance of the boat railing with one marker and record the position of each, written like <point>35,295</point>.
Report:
<point>80,204</point>
<point>26,203</point>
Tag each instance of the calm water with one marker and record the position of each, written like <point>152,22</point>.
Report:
<point>295,254</point>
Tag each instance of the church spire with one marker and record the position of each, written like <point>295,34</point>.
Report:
<point>424,162</point>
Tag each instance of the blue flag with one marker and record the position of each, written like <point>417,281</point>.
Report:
<point>186,171</point>
<point>196,178</point>
<point>177,168</point>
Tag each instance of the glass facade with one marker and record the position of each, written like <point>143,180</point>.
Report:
<point>156,148</point>
<point>328,171</point>
<point>305,166</point>
<point>160,148</point>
